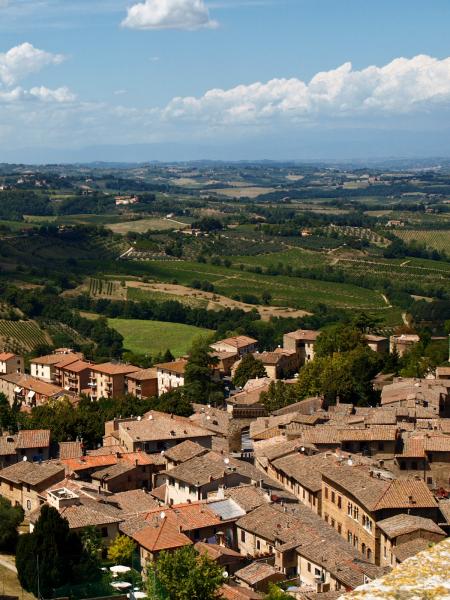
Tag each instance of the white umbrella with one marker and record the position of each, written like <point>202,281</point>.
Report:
<point>121,585</point>
<point>138,595</point>
<point>119,569</point>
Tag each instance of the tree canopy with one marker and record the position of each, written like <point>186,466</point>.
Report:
<point>249,368</point>
<point>184,575</point>
<point>10,519</point>
<point>199,381</point>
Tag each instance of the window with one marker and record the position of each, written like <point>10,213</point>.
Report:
<point>317,572</point>
<point>363,548</point>
<point>369,553</point>
<point>429,480</point>
<point>303,494</point>
<point>326,493</point>
<point>309,567</point>
<point>349,537</point>
<point>258,545</point>
<point>28,504</point>
<point>242,536</point>
<point>355,541</point>
<point>380,445</point>
<point>339,502</point>
<point>384,551</point>
<point>349,509</point>
<point>333,523</point>
<point>325,517</point>
<point>339,528</point>
<point>333,497</point>
<point>414,465</point>
<point>196,535</point>
<point>104,532</point>
<point>355,513</point>
<point>402,465</point>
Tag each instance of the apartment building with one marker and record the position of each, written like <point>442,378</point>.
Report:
<point>73,376</point>
<point>170,375</point>
<point>44,367</point>
<point>108,379</point>
<point>143,383</point>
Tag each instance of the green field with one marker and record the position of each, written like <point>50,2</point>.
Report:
<point>438,239</point>
<point>152,337</point>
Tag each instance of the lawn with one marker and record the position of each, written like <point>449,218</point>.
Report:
<point>143,225</point>
<point>151,337</point>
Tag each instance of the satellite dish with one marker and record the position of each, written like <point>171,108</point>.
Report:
<point>24,459</point>
<point>302,448</point>
<point>226,461</point>
<point>139,418</point>
<point>208,418</point>
<point>150,417</point>
<point>162,452</point>
<point>350,462</point>
<point>162,515</point>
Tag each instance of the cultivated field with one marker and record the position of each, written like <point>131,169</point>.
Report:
<point>243,192</point>
<point>438,239</point>
<point>143,225</point>
<point>292,292</point>
<point>152,337</point>
<point>21,336</point>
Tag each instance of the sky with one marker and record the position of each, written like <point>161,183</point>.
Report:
<point>223,79</point>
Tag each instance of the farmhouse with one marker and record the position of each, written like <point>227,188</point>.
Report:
<point>11,363</point>
<point>240,344</point>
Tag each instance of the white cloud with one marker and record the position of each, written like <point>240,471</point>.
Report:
<point>169,14</point>
<point>61,94</point>
<point>402,86</point>
<point>24,60</point>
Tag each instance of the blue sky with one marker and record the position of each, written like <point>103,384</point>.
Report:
<point>78,74</point>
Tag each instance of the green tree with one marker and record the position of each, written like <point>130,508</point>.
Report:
<point>91,540</point>
<point>121,550</point>
<point>10,519</point>
<point>249,368</point>
<point>184,575</point>
<point>266,297</point>
<point>199,383</point>
<point>49,557</point>
<point>8,416</point>
<point>279,395</point>
<point>338,338</point>
<point>276,593</point>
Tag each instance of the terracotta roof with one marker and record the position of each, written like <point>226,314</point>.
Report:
<point>238,341</point>
<point>8,444</point>
<point>304,334</point>
<point>176,366</point>
<point>31,473</point>
<point>374,433</point>
<point>109,473</point>
<point>411,548</point>
<point>248,497</point>
<point>257,572</point>
<point>7,356</point>
<point>98,461</point>
<point>404,523</point>
<point>237,592</point>
<point>215,551</point>
<point>70,450</point>
<point>143,375</point>
<point>32,383</point>
<point>75,367</point>
<point>80,516</point>
<point>134,501</point>
<point>378,494</point>
<point>57,359</point>
<point>33,438</point>
<point>162,426</point>
<point>110,368</point>
<point>185,451</point>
